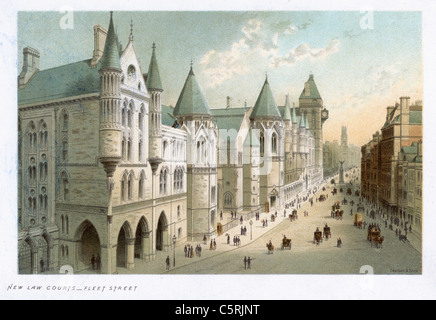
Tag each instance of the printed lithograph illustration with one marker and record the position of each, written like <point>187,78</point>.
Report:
<point>276,142</point>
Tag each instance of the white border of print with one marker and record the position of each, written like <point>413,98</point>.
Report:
<point>264,287</point>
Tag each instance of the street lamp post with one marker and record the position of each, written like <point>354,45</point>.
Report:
<point>174,250</point>
<point>251,229</point>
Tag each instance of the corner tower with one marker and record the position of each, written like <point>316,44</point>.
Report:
<point>193,113</point>
<point>312,104</point>
<point>154,87</point>
<point>110,97</point>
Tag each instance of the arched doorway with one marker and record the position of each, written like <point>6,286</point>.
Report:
<point>123,241</point>
<point>25,258</point>
<point>89,243</point>
<point>44,254</point>
<point>142,243</point>
<point>162,233</point>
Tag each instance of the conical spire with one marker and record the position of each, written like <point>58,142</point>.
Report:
<point>153,77</point>
<point>310,90</point>
<point>302,121</point>
<point>287,113</point>
<point>111,57</point>
<point>265,105</point>
<point>191,100</point>
<point>294,115</point>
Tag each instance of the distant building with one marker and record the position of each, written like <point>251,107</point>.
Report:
<point>392,164</point>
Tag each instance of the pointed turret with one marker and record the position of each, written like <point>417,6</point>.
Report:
<point>111,57</point>
<point>153,76</point>
<point>287,112</point>
<point>265,106</point>
<point>191,100</point>
<point>310,90</point>
<point>294,115</point>
<point>302,122</point>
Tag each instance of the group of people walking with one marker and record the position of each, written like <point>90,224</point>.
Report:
<point>189,251</point>
<point>96,262</point>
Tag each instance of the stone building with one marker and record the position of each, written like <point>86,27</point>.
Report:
<point>386,159</point>
<point>107,171</point>
<point>99,173</point>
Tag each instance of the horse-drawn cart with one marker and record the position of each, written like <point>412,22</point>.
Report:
<point>358,220</point>
<point>317,237</point>
<point>286,243</point>
<point>327,233</point>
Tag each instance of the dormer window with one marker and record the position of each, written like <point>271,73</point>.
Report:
<point>131,73</point>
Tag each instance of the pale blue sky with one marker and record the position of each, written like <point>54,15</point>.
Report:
<point>358,72</point>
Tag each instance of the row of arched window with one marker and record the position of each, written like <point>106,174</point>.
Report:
<point>127,185</point>
<point>37,135</point>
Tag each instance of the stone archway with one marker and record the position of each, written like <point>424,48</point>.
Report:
<point>88,243</point>
<point>125,247</point>
<point>26,257</point>
<point>162,233</point>
<point>142,240</point>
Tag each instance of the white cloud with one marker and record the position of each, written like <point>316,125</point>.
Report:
<point>303,51</point>
<point>258,47</point>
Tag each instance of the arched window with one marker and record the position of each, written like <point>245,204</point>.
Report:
<point>124,115</point>
<point>130,187</point>
<point>141,185</point>
<point>64,149</point>
<point>163,181</point>
<point>262,144</point>
<point>129,149</point>
<point>124,187</point>
<point>130,115</point>
<point>274,143</point>
<point>141,118</point>
<point>43,134</point>
<point>140,150</point>
<point>65,121</point>
<point>228,199</point>
<point>65,186</point>
<point>123,148</point>
<point>62,224</point>
<point>178,179</point>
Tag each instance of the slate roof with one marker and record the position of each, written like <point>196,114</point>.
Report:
<point>191,100</point>
<point>153,76</point>
<point>60,82</point>
<point>229,118</point>
<point>265,105</point>
<point>314,93</point>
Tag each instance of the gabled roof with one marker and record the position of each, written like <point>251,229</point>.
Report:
<point>191,100</point>
<point>265,105</point>
<point>111,54</point>
<point>61,82</point>
<point>310,90</point>
<point>153,76</point>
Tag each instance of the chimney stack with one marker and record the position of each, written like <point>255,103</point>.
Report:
<point>100,35</point>
<point>30,66</point>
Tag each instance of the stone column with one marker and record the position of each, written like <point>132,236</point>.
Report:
<point>145,244</point>
<point>130,264</point>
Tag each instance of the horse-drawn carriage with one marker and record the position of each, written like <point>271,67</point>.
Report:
<point>349,192</point>
<point>322,198</point>
<point>335,191</point>
<point>360,208</point>
<point>317,237</point>
<point>293,216</point>
<point>327,233</point>
<point>336,206</point>
<point>286,243</point>
<point>270,248</point>
<point>339,214</point>
<point>358,220</point>
<point>374,236</point>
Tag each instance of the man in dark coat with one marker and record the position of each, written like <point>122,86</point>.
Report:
<point>93,262</point>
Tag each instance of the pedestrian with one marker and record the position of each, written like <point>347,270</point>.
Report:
<point>98,261</point>
<point>245,262</point>
<point>249,263</point>
<point>211,245</point>
<point>93,262</point>
<point>214,244</point>
<point>186,251</point>
<point>228,239</point>
<point>167,261</point>
<point>41,264</point>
